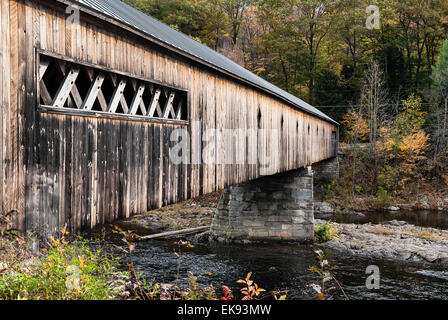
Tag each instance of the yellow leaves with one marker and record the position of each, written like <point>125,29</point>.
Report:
<point>64,231</point>
<point>385,146</point>
<point>320,296</point>
<point>185,244</point>
<point>355,127</point>
<point>82,261</point>
<point>252,290</point>
<point>414,145</point>
<point>117,229</point>
<point>259,70</point>
<point>54,243</point>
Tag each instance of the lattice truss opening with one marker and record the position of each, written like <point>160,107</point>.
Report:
<point>69,85</point>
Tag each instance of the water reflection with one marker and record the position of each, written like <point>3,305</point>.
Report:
<point>431,219</point>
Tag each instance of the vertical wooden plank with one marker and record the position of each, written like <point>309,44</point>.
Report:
<point>66,215</point>
<point>157,166</point>
<point>5,101</point>
<point>165,166</point>
<point>100,218</point>
<point>94,176</point>
<point>43,142</point>
<point>21,97</point>
<point>149,167</point>
<point>73,174</point>
<point>2,106</point>
<point>116,174</point>
<point>79,174</point>
<point>31,125</point>
<point>113,180</point>
<point>123,170</point>
<point>82,172</point>
<point>128,165</point>
<point>55,178</point>
<point>144,165</point>
<point>108,162</point>
<point>90,177</point>
<point>14,143</point>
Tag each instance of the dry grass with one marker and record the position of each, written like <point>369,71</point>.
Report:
<point>380,230</point>
<point>189,214</point>
<point>13,250</point>
<point>426,235</point>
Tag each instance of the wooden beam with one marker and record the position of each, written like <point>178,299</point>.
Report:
<point>154,103</point>
<point>137,100</point>
<point>124,104</point>
<point>169,106</point>
<point>75,92</point>
<point>117,96</point>
<point>44,94</point>
<point>179,111</point>
<point>101,99</point>
<point>44,64</point>
<point>66,87</point>
<point>94,90</point>
<point>169,234</point>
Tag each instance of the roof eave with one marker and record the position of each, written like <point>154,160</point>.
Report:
<point>98,14</point>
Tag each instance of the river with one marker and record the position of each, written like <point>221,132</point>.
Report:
<point>285,267</point>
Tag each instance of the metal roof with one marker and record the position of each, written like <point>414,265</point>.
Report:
<point>125,13</point>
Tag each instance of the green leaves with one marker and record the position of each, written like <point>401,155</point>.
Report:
<point>86,273</point>
<point>324,233</point>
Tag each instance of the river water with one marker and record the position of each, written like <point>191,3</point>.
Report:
<point>285,267</point>
<point>421,218</point>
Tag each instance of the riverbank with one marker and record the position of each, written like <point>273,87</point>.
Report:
<point>62,270</point>
<point>431,201</point>
<point>393,240</point>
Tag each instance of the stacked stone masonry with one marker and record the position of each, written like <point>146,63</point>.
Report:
<point>274,208</point>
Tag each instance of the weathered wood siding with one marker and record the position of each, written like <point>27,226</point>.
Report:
<point>82,171</point>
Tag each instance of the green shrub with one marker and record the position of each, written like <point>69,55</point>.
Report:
<point>324,232</point>
<point>67,271</point>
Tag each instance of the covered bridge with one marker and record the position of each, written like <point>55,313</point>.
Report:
<point>91,92</point>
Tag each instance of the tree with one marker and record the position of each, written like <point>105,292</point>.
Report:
<point>355,127</point>
<point>314,19</point>
<point>439,112</point>
<point>374,100</point>
<point>235,10</point>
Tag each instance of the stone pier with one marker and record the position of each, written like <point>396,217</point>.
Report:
<point>273,208</point>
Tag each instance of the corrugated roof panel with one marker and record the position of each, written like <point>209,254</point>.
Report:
<point>135,18</point>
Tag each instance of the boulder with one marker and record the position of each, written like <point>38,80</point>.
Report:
<point>202,237</point>
<point>395,223</point>
<point>353,214</point>
<point>323,207</point>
